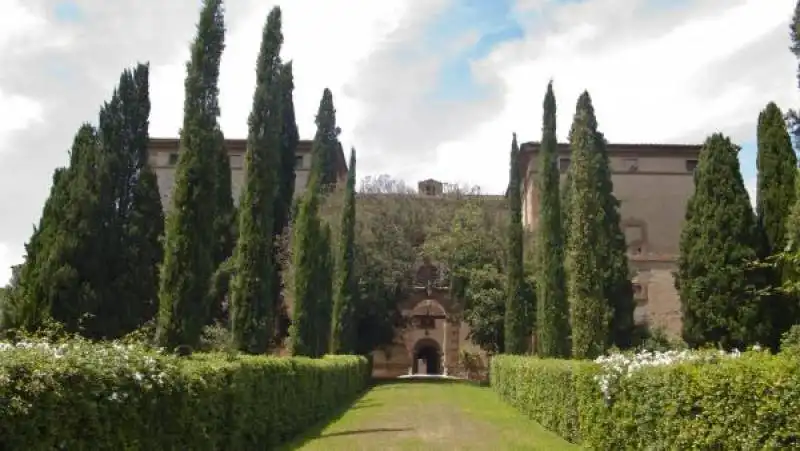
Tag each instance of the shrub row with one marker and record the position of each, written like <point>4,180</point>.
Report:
<point>79,396</point>
<point>750,402</point>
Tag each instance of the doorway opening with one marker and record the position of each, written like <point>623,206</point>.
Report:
<point>427,357</point>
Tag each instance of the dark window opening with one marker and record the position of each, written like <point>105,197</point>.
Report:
<point>691,165</point>
<point>173,159</point>
<point>563,164</point>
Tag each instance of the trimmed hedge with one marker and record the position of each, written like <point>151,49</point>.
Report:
<point>111,397</point>
<point>750,402</point>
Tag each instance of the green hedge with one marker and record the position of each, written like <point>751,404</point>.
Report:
<point>750,402</point>
<point>110,397</point>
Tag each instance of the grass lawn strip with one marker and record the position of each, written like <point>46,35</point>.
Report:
<point>429,416</point>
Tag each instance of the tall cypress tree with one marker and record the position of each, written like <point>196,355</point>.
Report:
<point>718,241</point>
<point>326,146</point>
<point>777,171</point>
<point>138,212</point>
<point>345,325</point>
<point>188,258</point>
<point>72,267</point>
<point>515,340</point>
<point>225,218</point>
<point>552,318</point>
<point>252,321</point>
<point>285,188</point>
<point>590,313</point>
<point>777,178</point>
<point>617,287</point>
<point>308,256</point>
<point>323,283</point>
<point>225,232</point>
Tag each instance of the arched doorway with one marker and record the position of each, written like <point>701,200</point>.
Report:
<point>427,358</point>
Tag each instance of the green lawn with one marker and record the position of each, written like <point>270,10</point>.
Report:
<point>430,416</point>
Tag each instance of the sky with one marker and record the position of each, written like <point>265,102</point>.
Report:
<point>423,88</point>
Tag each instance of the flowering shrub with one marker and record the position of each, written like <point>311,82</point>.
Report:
<point>80,395</point>
<point>618,365</point>
<point>660,400</point>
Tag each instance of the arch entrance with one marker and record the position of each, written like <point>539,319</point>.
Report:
<point>427,357</point>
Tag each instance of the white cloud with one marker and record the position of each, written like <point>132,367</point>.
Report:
<point>326,42</point>
<point>673,85</point>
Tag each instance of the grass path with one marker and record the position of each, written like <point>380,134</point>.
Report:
<point>430,416</point>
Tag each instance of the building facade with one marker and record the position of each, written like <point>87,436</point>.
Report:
<point>164,158</point>
<point>653,183</point>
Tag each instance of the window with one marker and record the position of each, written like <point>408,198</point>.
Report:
<point>634,237</point>
<point>173,159</point>
<point>691,165</point>
<point>563,164</point>
<point>631,164</point>
<point>298,162</point>
<point>235,161</point>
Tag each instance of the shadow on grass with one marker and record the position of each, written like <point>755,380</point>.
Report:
<point>363,431</point>
<point>314,432</point>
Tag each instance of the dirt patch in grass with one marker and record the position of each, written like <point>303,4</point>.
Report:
<point>430,416</point>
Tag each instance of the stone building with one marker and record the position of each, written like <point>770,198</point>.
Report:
<point>653,183</point>
<point>164,158</point>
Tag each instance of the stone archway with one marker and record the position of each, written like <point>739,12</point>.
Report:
<point>427,357</point>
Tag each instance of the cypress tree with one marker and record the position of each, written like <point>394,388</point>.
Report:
<point>72,269</point>
<point>327,145</point>
<point>323,283</point>
<point>777,169</point>
<point>225,218</point>
<point>225,232</point>
<point>718,241</point>
<point>252,321</point>
<point>515,340</point>
<point>286,180</point>
<point>308,256</point>
<point>617,287</point>
<point>144,231</point>
<point>552,319</point>
<point>188,258</point>
<point>345,325</point>
<point>137,212</point>
<point>31,301</point>
<point>590,313</point>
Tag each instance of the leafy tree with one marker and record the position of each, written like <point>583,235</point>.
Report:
<point>343,340</point>
<point>777,170</point>
<point>590,313</point>
<point>486,313</point>
<point>252,321</point>
<point>516,342</point>
<point>552,326</point>
<point>471,245</point>
<point>718,241</point>
<point>188,259</point>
